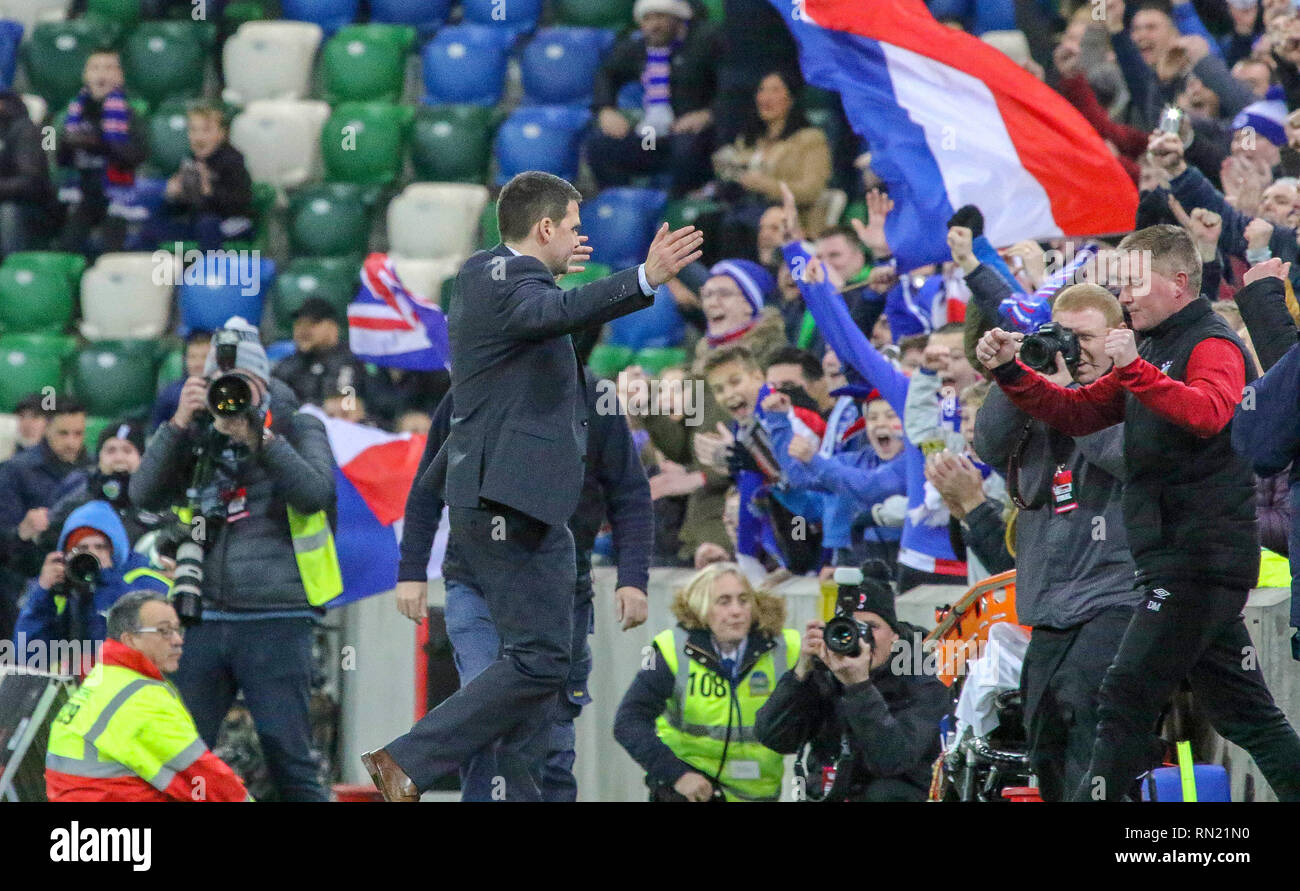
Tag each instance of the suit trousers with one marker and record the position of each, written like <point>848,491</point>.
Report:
<point>1188,630</point>
<point>525,572</point>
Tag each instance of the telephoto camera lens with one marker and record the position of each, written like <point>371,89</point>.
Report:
<point>843,635</point>
<point>82,569</point>
<point>1038,350</point>
<point>188,583</point>
<point>229,395</point>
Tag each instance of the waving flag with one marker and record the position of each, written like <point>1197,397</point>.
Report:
<point>374,473</point>
<point>393,327</point>
<point>952,121</point>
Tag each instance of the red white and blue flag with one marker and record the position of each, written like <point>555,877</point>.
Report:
<point>391,326</point>
<point>372,478</point>
<point>952,121</point>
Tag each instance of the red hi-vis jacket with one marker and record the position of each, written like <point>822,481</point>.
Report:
<point>125,735</point>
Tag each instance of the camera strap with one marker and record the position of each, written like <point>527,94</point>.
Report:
<point>1013,467</point>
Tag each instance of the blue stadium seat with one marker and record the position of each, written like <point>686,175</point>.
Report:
<point>281,349</point>
<point>558,66</point>
<point>541,137</point>
<point>465,65</point>
<point>621,223</point>
<point>329,14</point>
<point>1166,784</point>
<point>631,96</point>
<point>515,17</point>
<point>657,326</point>
<point>11,35</point>
<point>207,305</point>
<point>425,15</point>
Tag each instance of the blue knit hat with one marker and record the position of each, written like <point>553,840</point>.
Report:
<point>1267,116</point>
<point>754,281</point>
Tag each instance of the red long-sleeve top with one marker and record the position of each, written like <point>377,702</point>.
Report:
<point>1131,141</point>
<point>1203,403</point>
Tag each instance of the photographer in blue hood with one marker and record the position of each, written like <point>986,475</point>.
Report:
<point>91,568</point>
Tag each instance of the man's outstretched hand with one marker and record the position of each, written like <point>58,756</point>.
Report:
<point>671,252</point>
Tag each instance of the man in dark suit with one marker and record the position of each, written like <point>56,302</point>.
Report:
<point>513,470</point>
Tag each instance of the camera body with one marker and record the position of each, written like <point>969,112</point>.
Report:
<point>1038,350</point>
<point>844,634</point>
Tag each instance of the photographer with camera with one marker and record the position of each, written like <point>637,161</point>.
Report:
<point>91,568</point>
<point>869,722</point>
<point>256,481</point>
<point>1073,587</point>
<point>688,717</point>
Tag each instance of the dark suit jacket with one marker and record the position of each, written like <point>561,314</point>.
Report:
<point>519,428</point>
<point>692,72</point>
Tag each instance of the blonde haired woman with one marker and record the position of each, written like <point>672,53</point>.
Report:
<point>688,717</point>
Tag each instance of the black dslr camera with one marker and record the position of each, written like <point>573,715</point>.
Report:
<point>81,571</point>
<point>1038,350</point>
<point>229,395</point>
<point>844,634</point>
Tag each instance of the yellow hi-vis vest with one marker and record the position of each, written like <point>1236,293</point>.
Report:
<point>61,600</point>
<point>120,723</point>
<point>694,724</point>
<point>313,547</point>
<point>1274,570</point>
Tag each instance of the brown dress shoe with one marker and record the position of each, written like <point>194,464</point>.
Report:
<point>389,779</point>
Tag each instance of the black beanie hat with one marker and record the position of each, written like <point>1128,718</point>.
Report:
<point>874,595</point>
<point>131,431</point>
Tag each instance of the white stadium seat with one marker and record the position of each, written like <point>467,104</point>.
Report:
<point>29,12</point>
<point>435,220</point>
<point>425,277</point>
<point>8,436</point>
<point>269,60</point>
<point>36,108</point>
<point>121,300</point>
<point>280,140</point>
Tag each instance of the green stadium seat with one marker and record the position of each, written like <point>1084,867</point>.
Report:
<point>29,363</point>
<point>123,12</point>
<point>95,425</point>
<point>616,14</point>
<point>331,278</point>
<point>55,54</point>
<point>169,141</point>
<point>39,290</point>
<point>489,234</point>
<point>590,274</point>
<point>608,359</point>
<point>703,215</point>
<point>715,9</point>
<point>116,378</point>
<point>655,359</point>
<point>328,221</point>
<point>447,294</point>
<point>366,63</point>
<point>452,143</point>
<point>170,369</point>
<point>364,142</point>
<point>162,61</point>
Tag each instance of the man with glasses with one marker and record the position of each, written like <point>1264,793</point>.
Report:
<point>125,734</point>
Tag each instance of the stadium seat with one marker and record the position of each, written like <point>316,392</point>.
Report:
<point>591,273</point>
<point>29,363</point>
<point>170,369</point>
<point>329,14</point>
<point>703,215</point>
<point>660,325</point>
<point>113,378</point>
<point>169,141</point>
<point>435,220</point>
<point>608,359</point>
<point>161,61</point>
<point>125,12</point>
<point>95,425</point>
<point>55,54</point>
<point>616,14</point>
<point>37,108</point>
<point>223,292</point>
<point>655,359</point>
<point>366,63</point>
<point>716,10</point>
<point>424,15</point>
<point>328,221</point>
<point>621,223</point>
<point>452,143</point>
<point>8,436</point>
<point>541,137</point>
<point>38,291</point>
<point>280,349</point>
<point>465,65</point>
<point>269,60</point>
<point>488,232</point>
<point>365,142</point>
<point>11,36</point>
<point>426,277</point>
<point>120,299</point>
<point>29,13</point>
<point>631,97</point>
<point>514,17</point>
<point>558,66</point>
<point>330,278</point>
<point>280,140</point>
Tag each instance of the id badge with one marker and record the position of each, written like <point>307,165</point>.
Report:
<point>1063,500</point>
<point>743,770</point>
<point>237,505</point>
